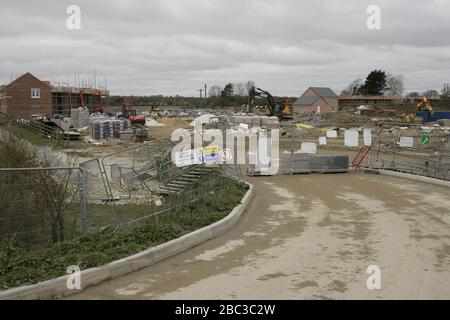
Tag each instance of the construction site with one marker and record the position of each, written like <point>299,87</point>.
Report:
<point>321,196</point>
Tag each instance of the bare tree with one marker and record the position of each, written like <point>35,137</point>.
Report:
<point>239,89</point>
<point>215,91</point>
<point>395,85</point>
<point>352,87</point>
<point>248,86</point>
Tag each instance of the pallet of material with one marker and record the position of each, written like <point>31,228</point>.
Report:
<point>295,162</point>
<point>329,163</point>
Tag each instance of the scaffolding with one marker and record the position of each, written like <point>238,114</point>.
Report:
<point>66,98</point>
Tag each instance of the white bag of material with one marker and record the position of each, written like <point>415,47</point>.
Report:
<point>243,126</point>
<point>367,134</point>
<point>351,138</point>
<point>308,147</point>
<point>406,142</point>
<point>322,141</point>
<point>331,134</point>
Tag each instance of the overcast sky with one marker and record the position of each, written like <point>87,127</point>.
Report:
<point>176,46</point>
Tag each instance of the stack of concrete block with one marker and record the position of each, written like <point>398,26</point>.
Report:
<point>126,135</point>
<point>264,120</point>
<point>79,117</point>
<point>273,123</point>
<point>295,162</point>
<point>329,163</point>
<point>256,121</point>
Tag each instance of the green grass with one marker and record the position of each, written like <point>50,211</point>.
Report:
<point>202,205</point>
<point>32,137</point>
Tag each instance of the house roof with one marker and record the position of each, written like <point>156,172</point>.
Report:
<point>321,92</point>
<point>324,92</point>
<point>24,75</point>
<point>306,100</point>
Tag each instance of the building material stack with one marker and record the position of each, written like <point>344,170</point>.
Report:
<point>329,163</point>
<point>79,117</point>
<point>295,162</point>
<point>101,127</point>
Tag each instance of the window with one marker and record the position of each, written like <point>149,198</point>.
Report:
<point>35,93</point>
<point>333,109</point>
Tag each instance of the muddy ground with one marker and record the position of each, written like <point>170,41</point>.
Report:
<point>312,237</point>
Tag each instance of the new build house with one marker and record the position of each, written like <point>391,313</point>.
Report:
<point>316,100</point>
<point>27,96</point>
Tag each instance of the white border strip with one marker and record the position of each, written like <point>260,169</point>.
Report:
<point>414,177</point>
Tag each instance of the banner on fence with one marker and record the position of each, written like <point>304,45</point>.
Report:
<point>406,142</point>
<point>351,138</point>
<point>322,141</point>
<point>367,134</point>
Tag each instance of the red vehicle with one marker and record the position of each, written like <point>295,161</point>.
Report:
<point>130,113</point>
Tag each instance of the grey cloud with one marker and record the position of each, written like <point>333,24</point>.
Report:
<point>173,47</point>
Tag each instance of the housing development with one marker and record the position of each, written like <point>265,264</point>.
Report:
<point>225,178</point>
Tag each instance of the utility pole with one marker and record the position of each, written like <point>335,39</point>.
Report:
<point>206,96</point>
<point>201,97</point>
<point>446,90</point>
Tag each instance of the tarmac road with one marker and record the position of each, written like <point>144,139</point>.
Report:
<point>312,237</point>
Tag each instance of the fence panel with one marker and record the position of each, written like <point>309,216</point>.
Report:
<point>41,206</point>
<point>390,156</point>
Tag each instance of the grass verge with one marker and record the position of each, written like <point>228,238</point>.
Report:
<point>31,137</point>
<point>208,202</point>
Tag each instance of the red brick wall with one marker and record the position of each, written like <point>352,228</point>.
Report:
<point>326,106</point>
<point>18,102</point>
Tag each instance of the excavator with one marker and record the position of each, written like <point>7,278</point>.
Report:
<point>281,110</point>
<point>422,105</point>
<point>155,111</point>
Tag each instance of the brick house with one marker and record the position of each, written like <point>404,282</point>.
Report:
<point>26,96</point>
<point>316,100</point>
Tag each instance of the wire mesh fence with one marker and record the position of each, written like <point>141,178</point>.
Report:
<point>144,182</point>
<point>390,156</point>
<point>41,206</point>
<point>141,184</point>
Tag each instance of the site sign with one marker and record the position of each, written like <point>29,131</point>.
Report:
<point>426,137</point>
<point>210,153</point>
<point>188,157</point>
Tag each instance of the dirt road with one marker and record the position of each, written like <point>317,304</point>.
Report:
<point>313,237</point>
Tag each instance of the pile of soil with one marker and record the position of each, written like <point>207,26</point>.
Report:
<point>170,124</point>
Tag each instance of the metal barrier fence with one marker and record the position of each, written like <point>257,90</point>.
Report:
<point>40,206</point>
<point>390,156</point>
<point>143,181</point>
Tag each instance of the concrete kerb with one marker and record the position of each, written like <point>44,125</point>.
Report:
<point>56,288</point>
<point>413,177</point>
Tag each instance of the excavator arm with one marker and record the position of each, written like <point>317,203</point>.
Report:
<point>282,110</point>
<point>258,92</point>
<point>424,105</point>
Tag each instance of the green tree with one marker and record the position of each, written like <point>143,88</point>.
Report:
<point>227,91</point>
<point>375,84</point>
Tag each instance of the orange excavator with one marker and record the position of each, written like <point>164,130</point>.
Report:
<point>423,105</point>
<point>130,113</point>
<point>283,110</point>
